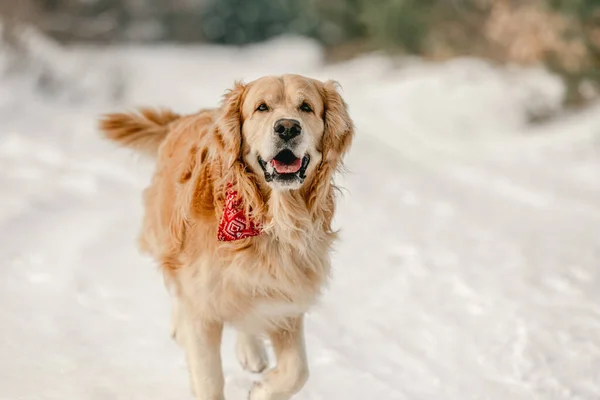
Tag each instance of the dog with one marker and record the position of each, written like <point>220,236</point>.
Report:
<point>238,215</point>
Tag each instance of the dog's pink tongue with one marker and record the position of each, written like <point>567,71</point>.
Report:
<point>287,168</point>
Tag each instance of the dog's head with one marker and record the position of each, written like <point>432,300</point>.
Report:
<point>285,129</point>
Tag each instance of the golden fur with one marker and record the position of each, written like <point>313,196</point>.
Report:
<point>261,284</point>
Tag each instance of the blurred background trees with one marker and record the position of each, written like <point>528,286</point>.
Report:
<point>563,34</point>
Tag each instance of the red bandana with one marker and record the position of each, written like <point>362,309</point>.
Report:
<point>235,225</point>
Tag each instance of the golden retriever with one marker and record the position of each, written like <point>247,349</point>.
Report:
<point>268,154</point>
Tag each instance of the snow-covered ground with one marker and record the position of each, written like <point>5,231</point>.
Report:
<point>469,263</point>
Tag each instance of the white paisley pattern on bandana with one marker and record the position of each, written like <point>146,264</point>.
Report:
<point>235,225</point>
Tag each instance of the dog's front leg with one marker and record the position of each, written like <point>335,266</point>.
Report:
<point>291,372</point>
<point>201,340</point>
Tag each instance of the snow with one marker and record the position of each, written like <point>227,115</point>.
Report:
<point>469,260</point>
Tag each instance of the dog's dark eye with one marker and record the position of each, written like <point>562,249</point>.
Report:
<point>305,107</point>
<point>262,107</point>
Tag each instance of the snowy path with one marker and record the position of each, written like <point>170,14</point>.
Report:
<point>469,267</point>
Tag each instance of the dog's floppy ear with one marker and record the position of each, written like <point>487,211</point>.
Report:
<point>337,138</point>
<point>229,134</point>
<point>339,129</point>
<point>229,123</point>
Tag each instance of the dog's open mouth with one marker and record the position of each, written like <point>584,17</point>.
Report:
<point>285,167</point>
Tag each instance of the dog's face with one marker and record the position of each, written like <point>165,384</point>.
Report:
<point>283,129</point>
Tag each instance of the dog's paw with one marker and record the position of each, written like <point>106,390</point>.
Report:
<point>251,353</point>
<point>262,391</point>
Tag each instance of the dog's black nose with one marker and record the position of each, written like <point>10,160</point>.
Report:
<point>287,129</point>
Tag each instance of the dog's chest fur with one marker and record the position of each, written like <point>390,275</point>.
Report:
<point>259,282</point>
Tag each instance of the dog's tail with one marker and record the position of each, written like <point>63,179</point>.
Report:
<point>144,131</point>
